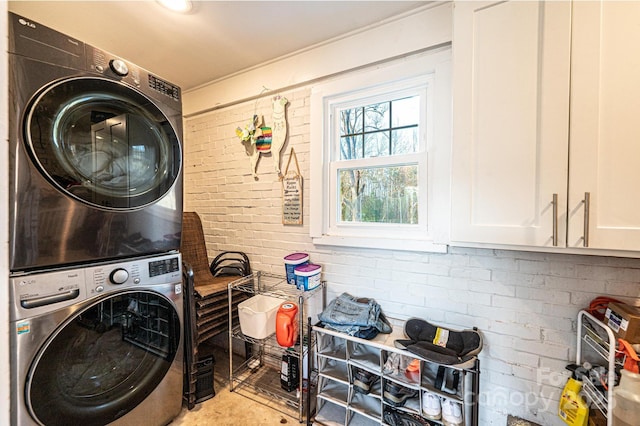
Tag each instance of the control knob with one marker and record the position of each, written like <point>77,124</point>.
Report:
<point>119,276</point>
<point>119,67</point>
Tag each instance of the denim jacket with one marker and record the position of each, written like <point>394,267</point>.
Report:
<point>357,317</point>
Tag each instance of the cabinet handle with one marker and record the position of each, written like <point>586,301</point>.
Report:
<point>587,205</point>
<point>555,220</point>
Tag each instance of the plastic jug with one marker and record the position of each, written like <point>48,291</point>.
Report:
<point>573,409</point>
<point>287,324</point>
<point>626,400</point>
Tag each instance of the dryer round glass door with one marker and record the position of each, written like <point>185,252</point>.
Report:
<point>102,142</point>
<point>104,361</point>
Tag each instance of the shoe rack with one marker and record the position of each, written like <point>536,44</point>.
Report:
<point>395,395</point>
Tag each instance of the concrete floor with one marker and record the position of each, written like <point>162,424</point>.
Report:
<point>232,408</point>
<point>242,407</point>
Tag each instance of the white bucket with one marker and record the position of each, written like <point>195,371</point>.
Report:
<point>258,316</point>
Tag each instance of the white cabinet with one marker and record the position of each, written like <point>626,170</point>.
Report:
<point>511,102</point>
<point>545,106</point>
<point>344,360</point>
<point>605,124</point>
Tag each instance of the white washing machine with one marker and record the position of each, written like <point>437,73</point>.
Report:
<point>98,345</point>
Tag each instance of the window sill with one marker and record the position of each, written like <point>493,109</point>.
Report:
<point>381,243</point>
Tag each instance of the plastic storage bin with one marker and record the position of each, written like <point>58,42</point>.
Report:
<point>258,316</point>
<point>307,276</point>
<point>291,262</point>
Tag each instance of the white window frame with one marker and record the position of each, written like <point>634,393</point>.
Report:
<point>419,86</point>
<point>427,74</point>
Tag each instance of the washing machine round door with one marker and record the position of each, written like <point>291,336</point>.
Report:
<point>103,142</point>
<point>105,360</point>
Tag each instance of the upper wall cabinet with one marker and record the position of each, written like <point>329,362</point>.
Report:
<point>546,144</point>
<point>604,138</point>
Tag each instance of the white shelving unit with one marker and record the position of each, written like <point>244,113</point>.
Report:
<point>339,356</point>
<point>597,345</point>
<point>260,370</point>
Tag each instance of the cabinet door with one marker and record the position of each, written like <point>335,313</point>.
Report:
<point>605,125</point>
<point>511,106</point>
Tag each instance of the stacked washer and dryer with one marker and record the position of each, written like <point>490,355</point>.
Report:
<point>95,221</point>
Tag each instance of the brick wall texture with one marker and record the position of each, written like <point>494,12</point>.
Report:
<point>524,303</point>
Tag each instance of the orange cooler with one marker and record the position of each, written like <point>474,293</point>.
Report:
<point>287,324</point>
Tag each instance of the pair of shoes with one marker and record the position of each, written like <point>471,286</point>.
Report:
<point>396,395</point>
<point>399,418</point>
<point>363,380</point>
<point>435,409</point>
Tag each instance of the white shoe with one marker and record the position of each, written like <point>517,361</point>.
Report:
<point>431,408</point>
<point>451,413</point>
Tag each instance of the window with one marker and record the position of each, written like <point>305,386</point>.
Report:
<point>373,133</point>
<point>378,158</point>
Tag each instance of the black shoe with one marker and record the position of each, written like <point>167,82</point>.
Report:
<point>363,380</point>
<point>398,418</point>
<point>396,394</point>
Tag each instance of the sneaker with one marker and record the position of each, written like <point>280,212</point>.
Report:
<point>451,413</point>
<point>396,395</point>
<point>431,406</point>
<point>398,418</point>
<point>363,380</point>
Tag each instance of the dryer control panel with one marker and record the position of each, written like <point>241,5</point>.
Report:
<point>109,65</point>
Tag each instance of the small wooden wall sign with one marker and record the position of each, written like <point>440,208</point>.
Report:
<point>292,194</point>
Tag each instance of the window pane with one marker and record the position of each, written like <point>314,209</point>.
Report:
<point>376,116</point>
<point>350,121</point>
<point>351,147</point>
<point>406,112</point>
<point>405,141</point>
<point>376,144</point>
<point>379,195</point>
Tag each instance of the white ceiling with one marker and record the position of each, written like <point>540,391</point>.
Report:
<point>216,39</point>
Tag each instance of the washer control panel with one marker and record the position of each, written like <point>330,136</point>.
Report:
<point>142,272</point>
<point>119,276</point>
<point>164,266</point>
<point>36,293</point>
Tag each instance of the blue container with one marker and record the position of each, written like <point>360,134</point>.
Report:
<point>290,263</point>
<point>307,276</point>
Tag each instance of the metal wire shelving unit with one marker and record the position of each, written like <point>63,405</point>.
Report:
<point>260,370</point>
<point>597,344</point>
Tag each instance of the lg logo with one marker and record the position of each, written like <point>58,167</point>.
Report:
<point>26,23</point>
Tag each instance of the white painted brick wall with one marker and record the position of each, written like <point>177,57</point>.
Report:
<point>524,303</point>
